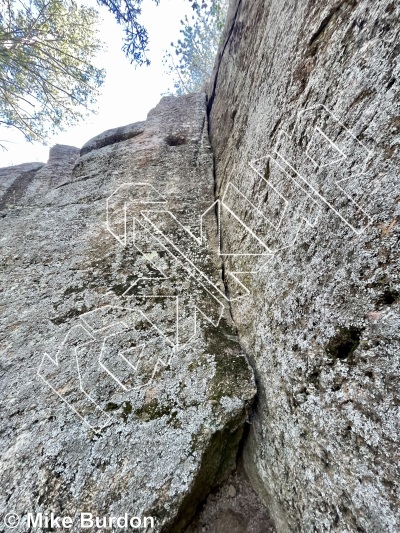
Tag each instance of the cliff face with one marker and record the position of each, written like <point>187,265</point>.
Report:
<point>123,383</point>
<point>132,268</point>
<point>304,115</point>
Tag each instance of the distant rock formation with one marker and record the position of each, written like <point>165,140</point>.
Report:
<point>308,94</point>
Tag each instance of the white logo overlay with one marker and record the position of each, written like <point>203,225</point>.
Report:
<point>118,347</point>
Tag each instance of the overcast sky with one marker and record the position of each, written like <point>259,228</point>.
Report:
<point>127,95</point>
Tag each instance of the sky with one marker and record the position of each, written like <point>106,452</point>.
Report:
<point>127,95</point>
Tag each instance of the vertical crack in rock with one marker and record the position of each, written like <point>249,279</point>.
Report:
<point>232,15</point>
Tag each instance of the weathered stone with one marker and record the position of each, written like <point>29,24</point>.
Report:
<point>233,508</point>
<point>113,136</point>
<point>14,182</point>
<point>110,405</point>
<point>231,491</point>
<point>321,326</point>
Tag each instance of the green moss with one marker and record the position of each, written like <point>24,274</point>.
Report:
<point>231,372</point>
<point>221,338</point>
<point>111,406</point>
<point>127,410</point>
<point>120,288</point>
<point>246,280</point>
<point>193,365</point>
<point>232,369</point>
<point>153,410</point>
<point>196,444</point>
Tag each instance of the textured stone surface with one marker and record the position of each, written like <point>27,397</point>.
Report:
<point>233,508</point>
<point>113,136</point>
<point>14,182</point>
<point>322,323</point>
<point>82,428</point>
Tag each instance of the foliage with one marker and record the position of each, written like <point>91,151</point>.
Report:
<point>195,52</point>
<point>47,48</point>
<point>47,78</point>
<point>126,13</point>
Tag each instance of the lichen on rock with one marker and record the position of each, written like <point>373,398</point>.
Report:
<point>304,123</point>
<point>81,307</point>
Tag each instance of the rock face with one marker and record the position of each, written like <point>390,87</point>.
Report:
<point>124,386</point>
<point>14,181</point>
<point>113,136</point>
<point>308,94</point>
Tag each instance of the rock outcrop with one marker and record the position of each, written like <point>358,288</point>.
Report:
<point>113,136</point>
<point>136,274</point>
<point>304,122</point>
<point>123,383</point>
